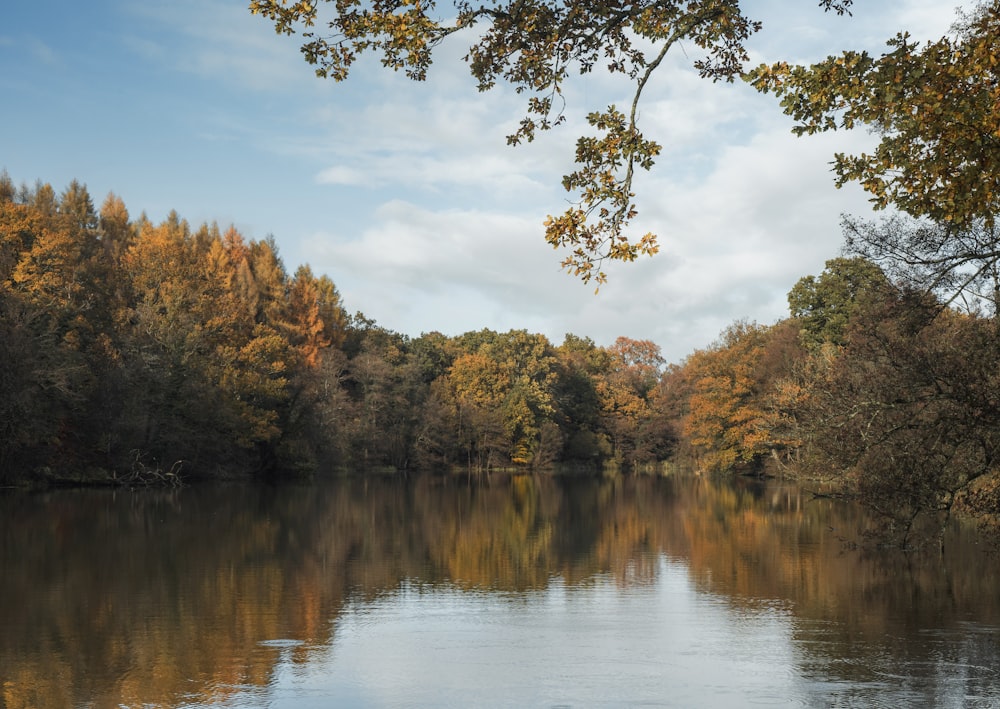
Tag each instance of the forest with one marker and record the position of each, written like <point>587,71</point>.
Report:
<point>136,353</point>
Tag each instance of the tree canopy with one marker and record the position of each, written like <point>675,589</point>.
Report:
<point>959,264</point>
<point>535,46</point>
<point>825,305</point>
<point>936,109</point>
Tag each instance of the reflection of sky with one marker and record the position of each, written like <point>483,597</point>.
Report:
<point>601,643</point>
<point>953,667</point>
<point>661,643</point>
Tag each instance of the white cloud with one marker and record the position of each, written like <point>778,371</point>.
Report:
<point>495,172</point>
<point>343,175</point>
<point>734,241</point>
<point>927,20</point>
<point>431,253</point>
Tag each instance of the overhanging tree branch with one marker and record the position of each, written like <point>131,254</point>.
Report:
<point>533,45</point>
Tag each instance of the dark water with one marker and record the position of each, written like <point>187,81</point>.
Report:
<point>512,591</point>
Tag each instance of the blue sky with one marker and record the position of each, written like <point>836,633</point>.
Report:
<point>406,194</point>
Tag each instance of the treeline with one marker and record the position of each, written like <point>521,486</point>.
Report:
<point>134,351</point>
<point>140,352</point>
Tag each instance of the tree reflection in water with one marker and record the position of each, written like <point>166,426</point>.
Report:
<point>197,596</point>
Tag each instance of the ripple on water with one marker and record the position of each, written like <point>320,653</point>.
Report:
<point>281,643</point>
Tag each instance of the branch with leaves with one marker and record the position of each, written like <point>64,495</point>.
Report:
<point>959,265</point>
<point>935,107</point>
<point>534,46</point>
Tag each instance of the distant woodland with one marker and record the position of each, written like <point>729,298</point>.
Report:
<point>138,353</point>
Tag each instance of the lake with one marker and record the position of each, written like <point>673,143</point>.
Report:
<point>500,591</point>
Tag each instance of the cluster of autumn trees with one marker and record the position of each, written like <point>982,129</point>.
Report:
<point>138,351</point>
<point>129,346</point>
<point>141,351</point>
<point>873,384</point>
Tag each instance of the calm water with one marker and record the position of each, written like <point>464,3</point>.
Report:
<point>512,591</point>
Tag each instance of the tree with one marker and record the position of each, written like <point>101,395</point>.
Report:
<point>208,371</point>
<point>59,270</point>
<point>43,387</point>
<point>303,323</point>
<point>269,280</point>
<point>388,390</point>
<point>957,264</point>
<point>731,417</point>
<point>331,311</point>
<point>578,407</point>
<point>50,314</point>
<point>477,388</point>
<point>7,189</point>
<point>824,305</point>
<point>116,230</point>
<point>624,391</point>
<point>526,363</point>
<point>20,225</point>
<point>125,347</point>
<point>906,417</point>
<point>502,394</point>
<point>638,362</point>
<point>936,109</point>
<point>535,45</point>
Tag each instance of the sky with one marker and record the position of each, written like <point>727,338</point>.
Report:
<point>406,194</point>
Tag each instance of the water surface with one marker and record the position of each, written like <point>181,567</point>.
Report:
<point>503,591</point>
